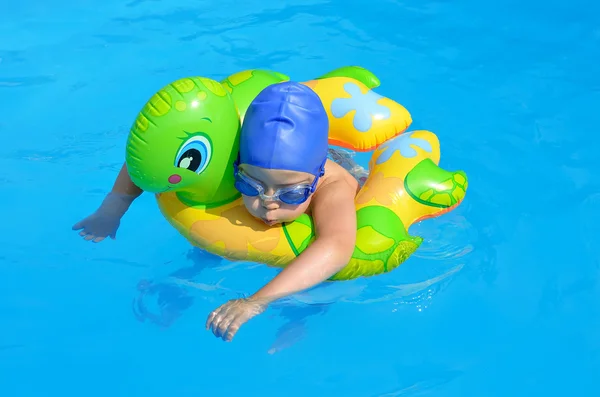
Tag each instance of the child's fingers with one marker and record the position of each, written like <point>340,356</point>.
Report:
<point>225,326</point>
<point>211,317</point>
<point>233,328</point>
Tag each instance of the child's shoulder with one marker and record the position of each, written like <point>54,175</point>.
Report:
<point>337,185</point>
<point>336,174</point>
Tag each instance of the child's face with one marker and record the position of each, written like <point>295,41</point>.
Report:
<point>272,211</point>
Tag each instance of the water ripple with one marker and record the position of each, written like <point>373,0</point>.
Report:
<point>25,81</point>
<point>448,237</point>
<point>589,211</point>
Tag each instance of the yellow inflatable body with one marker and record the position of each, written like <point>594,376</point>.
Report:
<point>404,186</point>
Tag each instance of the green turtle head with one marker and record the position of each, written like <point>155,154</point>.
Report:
<point>185,139</point>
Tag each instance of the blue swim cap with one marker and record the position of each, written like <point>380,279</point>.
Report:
<point>285,128</point>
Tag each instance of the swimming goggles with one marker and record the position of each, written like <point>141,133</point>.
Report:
<point>293,195</point>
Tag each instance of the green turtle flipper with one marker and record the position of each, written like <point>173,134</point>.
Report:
<point>244,86</point>
<point>433,186</point>
<point>281,76</point>
<point>359,73</point>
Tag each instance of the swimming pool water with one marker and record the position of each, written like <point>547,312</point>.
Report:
<point>501,299</point>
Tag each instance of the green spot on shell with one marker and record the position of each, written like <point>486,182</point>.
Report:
<point>181,106</point>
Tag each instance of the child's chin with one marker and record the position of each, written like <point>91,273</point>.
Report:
<point>267,222</point>
<point>275,222</point>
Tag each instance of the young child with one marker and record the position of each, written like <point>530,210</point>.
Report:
<point>282,172</point>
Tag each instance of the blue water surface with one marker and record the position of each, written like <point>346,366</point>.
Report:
<point>502,299</point>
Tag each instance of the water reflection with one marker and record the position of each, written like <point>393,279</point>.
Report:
<point>298,308</point>
<point>162,302</point>
<point>452,245</point>
<point>294,329</point>
<point>421,379</point>
<point>448,237</point>
<point>456,243</point>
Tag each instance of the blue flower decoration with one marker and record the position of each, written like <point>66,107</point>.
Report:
<point>365,106</point>
<point>403,143</point>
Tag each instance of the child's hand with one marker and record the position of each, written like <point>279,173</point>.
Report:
<point>106,220</point>
<point>227,319</point>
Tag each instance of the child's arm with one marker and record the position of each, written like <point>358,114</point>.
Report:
<point>105,221</point>
<point>124,185</point>
<point>334,215</point>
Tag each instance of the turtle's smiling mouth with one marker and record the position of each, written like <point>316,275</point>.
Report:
<point>173,181</point>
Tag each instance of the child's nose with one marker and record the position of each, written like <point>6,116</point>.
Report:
<point>270,204</point>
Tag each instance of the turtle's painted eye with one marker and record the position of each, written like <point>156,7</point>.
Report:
<point>194,154</point>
